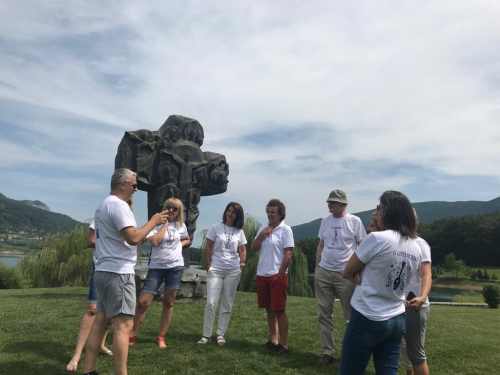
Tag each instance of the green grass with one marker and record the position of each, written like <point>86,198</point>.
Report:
<point>38,328</point>
<point>469,297</point>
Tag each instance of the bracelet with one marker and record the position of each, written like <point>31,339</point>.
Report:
<point>242,264</point>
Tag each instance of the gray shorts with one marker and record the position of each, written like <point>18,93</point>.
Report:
<point>415,335</point>
<point>116,293</point>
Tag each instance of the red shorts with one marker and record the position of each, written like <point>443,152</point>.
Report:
<point>271,292</point>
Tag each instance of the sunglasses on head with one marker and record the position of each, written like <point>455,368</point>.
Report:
<point>168,208</point>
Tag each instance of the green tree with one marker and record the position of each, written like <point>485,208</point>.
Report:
<point>62,261</point>
<point>309,247</point>
<point>473,275</point>
<point>479,275</point>
<point>494,277</point>
<point>453,265</point>
<point>485,275</point>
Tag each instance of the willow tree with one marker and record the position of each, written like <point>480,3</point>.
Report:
<point>62,261</point>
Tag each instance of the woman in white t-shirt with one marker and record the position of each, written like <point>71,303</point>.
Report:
<point>225,255</point>
<point>165,265</point>
<point>381,267</point>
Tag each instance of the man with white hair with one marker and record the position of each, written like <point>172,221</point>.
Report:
<point>116,255</point>
<point>340,234</point>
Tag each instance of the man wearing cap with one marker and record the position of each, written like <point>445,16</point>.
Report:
<point>339,235</point>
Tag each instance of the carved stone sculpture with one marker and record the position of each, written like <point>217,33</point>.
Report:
<point>169,163</point>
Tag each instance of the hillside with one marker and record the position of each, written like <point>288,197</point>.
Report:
<point>427,213</point>
<point>23,216</point>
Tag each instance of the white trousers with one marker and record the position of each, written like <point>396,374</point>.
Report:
<point>221,284</point>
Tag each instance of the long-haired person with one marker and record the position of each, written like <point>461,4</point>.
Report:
<point>225,255</point>
<point>275,243</point>
<point>165,265</point>
<point>387,261</point>
<point>90,311</point>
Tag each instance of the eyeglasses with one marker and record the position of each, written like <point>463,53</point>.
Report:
<point>131,184</point>
<point>379,206</point>
<point>168,208</point>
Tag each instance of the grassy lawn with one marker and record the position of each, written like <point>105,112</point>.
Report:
<point>38,329</point>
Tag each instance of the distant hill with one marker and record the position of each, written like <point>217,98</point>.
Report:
<point>427,213</point>
<point>32,217</point>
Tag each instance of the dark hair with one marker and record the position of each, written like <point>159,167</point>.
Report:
<point>281,207</point>
<point>240,215</point>
<point>398,214</point>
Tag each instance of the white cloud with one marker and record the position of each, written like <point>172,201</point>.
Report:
<point>392,84</point>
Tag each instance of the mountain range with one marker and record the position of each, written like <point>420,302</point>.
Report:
<point>32,217</point>
<point>427,213</point>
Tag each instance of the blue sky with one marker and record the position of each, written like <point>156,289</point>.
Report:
<point>301,97</point>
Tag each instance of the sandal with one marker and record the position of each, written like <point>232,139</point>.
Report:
<point>221,341</point>
<point>204,340</point>
<point>72,366</point>
<point>131,340</point>
<point>160,340</point>
<point>109,353</point>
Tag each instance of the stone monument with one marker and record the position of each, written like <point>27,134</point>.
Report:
<point>170,164</point>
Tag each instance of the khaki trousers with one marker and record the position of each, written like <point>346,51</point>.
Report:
<point>329,285</point>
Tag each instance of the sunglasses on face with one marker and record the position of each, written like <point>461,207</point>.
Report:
<point>379,206</point>
<point>131,184</point>
<point>168,208</point>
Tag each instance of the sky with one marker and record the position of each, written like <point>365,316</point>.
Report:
<point>302,97</point>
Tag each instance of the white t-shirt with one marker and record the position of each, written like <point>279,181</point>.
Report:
<point>168,254</point>
<point>92,226</point>
<point>341,236</point>
<point>226,242</point>
<point>272,249</point>
<point>415,284</point>
<point>112,252</point>
<point>390,263</point>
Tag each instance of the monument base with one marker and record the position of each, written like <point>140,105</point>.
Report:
<point>193,283</point>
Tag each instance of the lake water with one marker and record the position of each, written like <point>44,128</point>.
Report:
<point>13,259</point>
<point>436,294</point>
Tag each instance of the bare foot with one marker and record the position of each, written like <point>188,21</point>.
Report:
<point>161,342</point>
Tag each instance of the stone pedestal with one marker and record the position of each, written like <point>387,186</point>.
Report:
<point>193,283</point>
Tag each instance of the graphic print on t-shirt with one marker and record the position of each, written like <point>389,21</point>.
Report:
<point>397,276</point>
<point>227,243</point>
<point>335,238</point>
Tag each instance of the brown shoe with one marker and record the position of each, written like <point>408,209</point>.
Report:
<point>281,350</point>
<point>325,360</point>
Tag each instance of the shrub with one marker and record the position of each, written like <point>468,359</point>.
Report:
<point>491,295</point>
<point>11,277</point>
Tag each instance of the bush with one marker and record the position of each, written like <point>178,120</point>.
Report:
<point>491,295</point>
<point>11,277</point>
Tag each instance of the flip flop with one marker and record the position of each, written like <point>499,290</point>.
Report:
<point>74,366</point>
<point>107,353</point>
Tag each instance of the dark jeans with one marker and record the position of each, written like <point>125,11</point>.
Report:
<point>364,337</point>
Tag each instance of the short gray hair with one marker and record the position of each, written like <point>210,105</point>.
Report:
<point>120,176</point>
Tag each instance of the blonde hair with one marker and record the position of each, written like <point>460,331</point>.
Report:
<point>174,202</point>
